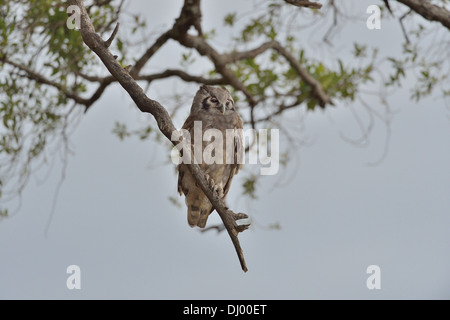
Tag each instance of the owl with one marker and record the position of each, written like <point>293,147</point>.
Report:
<point>212,108</point>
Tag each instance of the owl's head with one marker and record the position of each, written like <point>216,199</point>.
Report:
<point>213,100</point>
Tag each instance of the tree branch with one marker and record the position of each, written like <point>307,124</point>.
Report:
<point>190,16</point>
<point>162,39</point>
<point>106,81</point>
<point>113,35</point>
<point>282,108</point>
<point>33,75</point>
<point>304,3</point>
<point>317,91</point>
<point>429,11</point>
<point>183,76</point>
<point>250,54</point>
<point>165,124</point>
<point>204,49</point>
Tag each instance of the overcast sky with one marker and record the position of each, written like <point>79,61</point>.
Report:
<point>338,215</point>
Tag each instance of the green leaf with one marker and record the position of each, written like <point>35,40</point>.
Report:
<point>249,186</point>
<point>119,44</point>
<point>230,19</point>
<point>120,130</point>
<point>275,226</point>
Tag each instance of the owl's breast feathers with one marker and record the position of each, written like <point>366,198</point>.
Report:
<point>199,206</point>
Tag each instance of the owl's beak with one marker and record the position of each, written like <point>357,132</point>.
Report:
<point>223,108</point>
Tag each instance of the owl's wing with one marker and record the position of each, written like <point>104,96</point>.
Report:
<point>239,154</point>
<point>189,126</point>
<point>239,149</point>
<point>198,205</point>
<point>182,169</point>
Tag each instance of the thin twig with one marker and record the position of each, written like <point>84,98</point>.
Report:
<point>403,27</point>
<point>113,35</point>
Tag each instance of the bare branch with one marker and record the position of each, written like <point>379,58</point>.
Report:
<point>242,55</point>
<point>183,76</point>
<point>304,3</point>
<point>93,78</point>
<point>282,108</point>
<point>219,228</point>
<point>162,39</point>
<point>162,75</point>
<point>113,35</point>
<point>429,11</point>
<point>388,6</point>
<point>190,16</point>
<point>106,81</point>
<point>403,27</point>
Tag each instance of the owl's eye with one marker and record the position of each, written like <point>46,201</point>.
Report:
<point>214,100</point>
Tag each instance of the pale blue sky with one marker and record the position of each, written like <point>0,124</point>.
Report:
<point>338,215</point>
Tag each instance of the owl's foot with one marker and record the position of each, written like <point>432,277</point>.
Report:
<point>242,221</point>
<point>218,190</point>
<point>242,228</point>
<point>239,216</point>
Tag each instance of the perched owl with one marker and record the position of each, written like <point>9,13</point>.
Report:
<point>212,108</point>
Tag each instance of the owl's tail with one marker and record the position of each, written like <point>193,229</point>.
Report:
<point>197,217</point>
<point>198,212</point>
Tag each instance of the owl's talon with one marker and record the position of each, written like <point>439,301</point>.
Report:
<point>242,228</point>
<point>210,181</point>
<point>218,191</point>
<point>239,216</point>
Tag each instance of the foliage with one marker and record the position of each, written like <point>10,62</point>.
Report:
<point>46,72</point>
<point>249,186</point>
